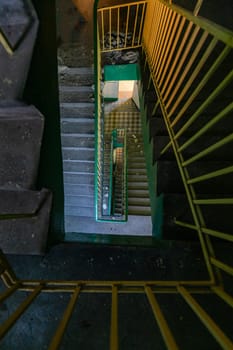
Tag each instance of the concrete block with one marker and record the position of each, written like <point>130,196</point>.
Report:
<point>24,221</point>
<point>19,24</point>
<point>21,130</point>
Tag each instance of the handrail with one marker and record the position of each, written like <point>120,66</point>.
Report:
<point>103,188</point>
<point>190,62</point>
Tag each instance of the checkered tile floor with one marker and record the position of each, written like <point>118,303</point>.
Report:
<point>123,115</point>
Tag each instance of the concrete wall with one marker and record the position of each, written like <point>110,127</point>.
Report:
<point>85,8</point>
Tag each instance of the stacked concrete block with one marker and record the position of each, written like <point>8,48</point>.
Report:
<point>24,210</point>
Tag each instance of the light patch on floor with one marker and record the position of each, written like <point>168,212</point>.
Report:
<point>125,88</point>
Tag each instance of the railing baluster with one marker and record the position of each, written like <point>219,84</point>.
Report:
<point>213,328</point>
<point>56,341</point>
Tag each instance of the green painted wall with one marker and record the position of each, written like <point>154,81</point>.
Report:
<point>42,91</point>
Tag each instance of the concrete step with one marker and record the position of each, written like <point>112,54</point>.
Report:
<point>75,76</point>
<point>139,210</point>
<point>78,140</point>
<point>79,166</point>
<point>132,166</point>
<point>74,54</point>
<point>143,202</point>
<point>137,178</point>
<point>137,185</point>
<point>79,211</point>
<point>136,225</point>
<point>76,153</point>
<point>136,171</point>
<point>79,190</point>
<point>138,159</point>
<point>77,126</point>
<point>77,109</point>
<point>76,93</point>
<point>79,201</point>
<point>79,178</point>
<point>138,193</point>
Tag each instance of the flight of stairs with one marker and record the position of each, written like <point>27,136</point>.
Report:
<point>78,140</point>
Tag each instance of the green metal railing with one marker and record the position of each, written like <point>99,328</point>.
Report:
<point>124,24</point>
<point>118,207</point>
<point>104,199</point>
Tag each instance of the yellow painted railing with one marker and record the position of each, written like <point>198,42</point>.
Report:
<point>121,26</point>
<point>189,291</point>
<point>190,61</point>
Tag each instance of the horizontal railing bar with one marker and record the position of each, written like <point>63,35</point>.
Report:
<point>207,126</point>
<point>209,150</point>
<point>165,149</point>
<point>55,343</point>
<point>122,48</point>
<point>121,5</point>
<point>213,328</point>
<point>21,309</point>
<point>228,269</point>
<point>221,33</point>
<point>208,231</point>
<point>120,284</point>
<point>223,295</point>
<point>213,201</point>
<point>135,290</point>
<point>161,321</point>
<point>213,174</point>
<point>218,234</point>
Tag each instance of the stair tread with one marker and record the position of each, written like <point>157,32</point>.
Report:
<point>78,120</point>
<point>76,70</point>
<point>75,88</point>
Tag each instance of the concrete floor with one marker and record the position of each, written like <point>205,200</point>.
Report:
<point>89,326</point>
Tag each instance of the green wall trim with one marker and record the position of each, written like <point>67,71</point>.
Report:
<point>121,72</point>
<point>158,221</point>
<point>116,239</point>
